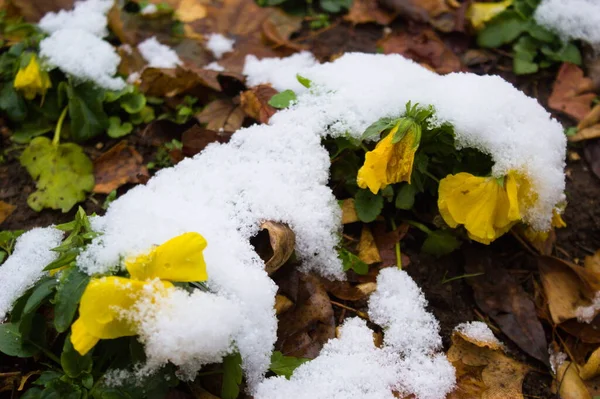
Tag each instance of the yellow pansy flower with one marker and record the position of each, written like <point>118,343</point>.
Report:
<point>389,162</point>
<point>105,299</point>
<point>539,237</point>
<point>32,80</point>
<point>486,206</point>
<point>480,13</point>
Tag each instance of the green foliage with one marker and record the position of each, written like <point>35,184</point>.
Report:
<point>12,341</point>
<point>440,243</point>
<point>73,364</point>
<point>534,47</point>
<point>352,262</point>
<point>405,199</point>
<point>283,99</point>
<point>368,205</point>
<point>63,174</point>
<point>118,129</point>
<point>285,365</point>
<point>232,376</point>
<point>7,242</point>
<point>69,291</point>
<point>86,111</point>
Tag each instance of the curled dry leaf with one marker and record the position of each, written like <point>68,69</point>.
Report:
<point>500,296</point>
<point>423,46</point>
<point>367,249</point>
<point>436,12</point>
<point>591,368</point>
<point>484,372</point>
<point>222,114</point>
<point>567,287</point>
<point>571,92</point>
<point>281,244</point>
<point>367,11</point>
<point>347,291</point>
<point>120,165</point>
<point>282,304</point>
<point>196,138</point>
<point>159,82</point>
<point>6,210</point>
<point>349,211</point>
<point>255,102</point>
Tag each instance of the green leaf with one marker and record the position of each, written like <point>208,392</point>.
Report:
<point>12,103</point>
<point>285,365</point>
<point>304,81</point>
<point>283,99</point>
<point>351,261</point>
<point>64,259</point>
<point>63,174</point>
<point>406,197</point>
<point>116,129</point>
<point>133,103</point>
<point>39,294</point>
<point>540,33</point>
<point>146,115</point>
<point>440,243</point>
<point>368,205</point>
<point>12,342</point>
<point>86,111</point>
<point>523,66</point>
<point>335,6</point>
<point>71,287</point>
<point>72,362</point>
<point>568,53</point>
<point>47,377</point>
<point>232,376</point>
<point>378,126</point>
<point>503,29</point>
<point>32,393</point>
<point>29,130</point>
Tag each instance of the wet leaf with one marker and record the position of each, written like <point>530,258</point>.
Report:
<point>255,102</point>
<point>6,210</point>
<point>86,111</point>
<point>349,211</point>
<point>12,342</point>
<point>72,362</point>
<point>571,92</point>
<point>283,99</point>
<point>70,289</point>
<point>483,371</point>
<point>232,376</point>
<point>367,11</point>
<point>222,114</point>
<point>63,174</point>
<point>368,205</point>
<point>424,47</point>
<point>196,138</point>
<point>499,295</point>
<point>352,262</point>
<point>367,249</point>
<point>120,165</point>
<point>440,243</point>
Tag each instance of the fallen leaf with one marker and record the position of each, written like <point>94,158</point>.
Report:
<point>423,46</point>
<point>386,243</point>
<point>568,383</point>
<point>585,332</point>
<point>349,211</point>
<point>588,133</point>
<point>255,102</point>
<point>567,287</point>
<point>196,138</point>
<point>282,241</point>
<point>131,60</point>
<point>9,381</point>
<point>347,291</point>
<point>592,118</point>
<point>570,93</point>
<point>436,12</point>
<point>367,249</point>
<point>6,210</point>
<point>159,82</point>
<point>33,10</point>
<point>484,372</point>
<point>499,295</point>
<point>591,368</point>
<point>190,10</point>
<point>282,304</point>
<point>120,165</point>
<point>278,28</point>
<point>222,114</point>
<point>591,153</point>
<point>367,11</point>
<point>592,262</point>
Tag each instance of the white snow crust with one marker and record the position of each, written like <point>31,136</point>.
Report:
<point>158,55</point>
<point>478,331</point>
<point>219,44</point>
<point>572,19</point>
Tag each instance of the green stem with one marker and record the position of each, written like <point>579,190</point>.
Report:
<point>419,226</point>
<point>45,351</point>
<point>428,174</point>
<point>56,138</point>
<point>397,248</point>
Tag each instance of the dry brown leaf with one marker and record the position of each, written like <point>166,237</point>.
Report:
<point>592,262</point>
<point>281,244</point>
<point>222,114</point>
<point>9,381</point>
<point>159,82</point>
<point>571,92</point>
<point>436,12</point>
<point>591,119</point>
<point>386,243</point>
<point>349,211</point>
<point>591,368</point>
<point>6,210</point>
<point>500,296</point>
<point>347,291</point>
<point>190,10</point>
<point>367,11</point>
<point>255,102</point>
<point>567,287</point>
<point>367,249</point>
<point>282,304</point>
<point>34,10</point>
<point>423,46</point>
<point>196,138</point>
<point>120,165</point>
<point>484,372</point>
<point>278,28</point>
<point>588,133</point>
<point>569,384</point>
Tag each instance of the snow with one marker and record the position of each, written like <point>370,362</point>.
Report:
<point>75,45</point>
<point>214,66</point>
<point>556,359</point>
<point>487,113</point>
<point>149,9</point>
<point>573,19</point>
<point>89,16</point>
<point>478,331</point>
<point>22,269</point>
<point>84,56</point>
<point>279,72</point>
<point>586,314</point>
<point>219,44</point>
<point>352,366</point>
<point>158,55</point>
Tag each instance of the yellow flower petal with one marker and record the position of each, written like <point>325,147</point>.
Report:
<point>557,220</point>
<point>480,13</point>
<point>31,80</point>
<point>179,259</point>
<point>481,204</point>
<point>82,341</point>
<point>388,163</point>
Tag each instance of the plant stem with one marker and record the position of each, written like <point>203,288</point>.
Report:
<point>428,174</point>
<point>397,248</point>
<point>45,351</point>
<point>56,138</point>
<point>419,226</point>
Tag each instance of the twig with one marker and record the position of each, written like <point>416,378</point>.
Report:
<point>360,314</point>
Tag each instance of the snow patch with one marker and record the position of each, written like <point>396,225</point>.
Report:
<point>25,266</point>
<point>573,19</point>
<point>478,331</point>
<point>88,15</point>
<point>149,9</point>
<point>214,66</point>
<point>219,44</point>
<point>158,55</point>
<point>279,72</point>
<point>586,314</point>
